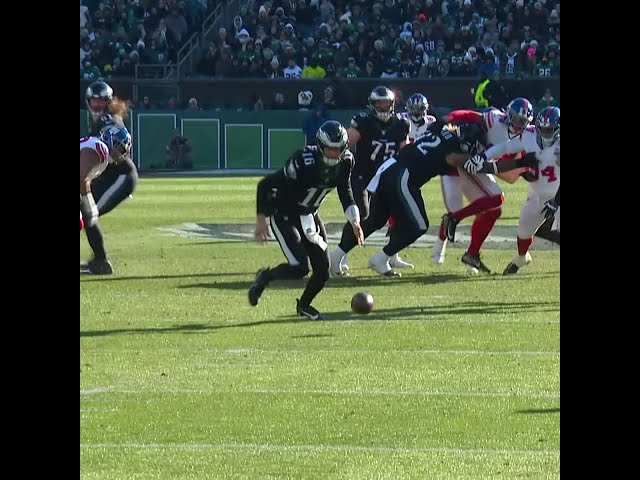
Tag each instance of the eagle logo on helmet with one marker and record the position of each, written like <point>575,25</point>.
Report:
<point>381,103</point>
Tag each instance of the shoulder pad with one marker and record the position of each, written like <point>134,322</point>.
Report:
<point>293,165</point>
<point>403,117</point>
<point>358,119</point>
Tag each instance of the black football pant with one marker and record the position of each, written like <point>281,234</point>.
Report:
<point>362,197</point>
<point>109,189</point>
<point>300,252</point>
<point>398,198</point>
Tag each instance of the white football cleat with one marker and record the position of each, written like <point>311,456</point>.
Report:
<point>517,263</point>
<point>439,251</point>
<point>343,264</point>
<point>335,262</point>
<point>396,262</point>
<point>380,263</point>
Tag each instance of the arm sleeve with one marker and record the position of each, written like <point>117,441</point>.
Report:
<point>345,192</point>
<point>266,192</point>
<point>465,116</point>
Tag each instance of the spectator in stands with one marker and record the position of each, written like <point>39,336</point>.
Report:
<point>279,102</point>
<point>430,70</point>
<point>313,70</point>
<point>369,70</point>
<point>511,61</point>
<point>496,92</point>
<point>223,39</point>
<point>292,71</point>
<point>207,64</point>
<point>329,100</point>
<point>84,15</point>
<point>274,70</point>
<point>256,102</point>
<point>177,24</point>
<point>238,26</point>
<point>224,65</point>
<point>193,105</point>
<point>178,153</point>
<point>256,68</point>
<point>89,71</point>
<point>327,10</point>
<point>145,104</point>
<point>547,100</point>
<point>313,121</point>
<point>351,71</point>
<point>488,66</point>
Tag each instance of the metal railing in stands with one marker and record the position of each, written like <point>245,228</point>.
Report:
<point>185,54</point>
<point>210,22</point>
<point>189,50</point>
<point>153,71</point>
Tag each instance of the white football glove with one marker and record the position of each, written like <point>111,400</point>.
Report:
<point>474,164</point>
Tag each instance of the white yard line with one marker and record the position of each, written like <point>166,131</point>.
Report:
<point>336,351</point>
<point>268,391</point>
<point>312,448</point>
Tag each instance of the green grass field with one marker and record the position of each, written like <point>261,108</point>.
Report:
<point>451,376</point>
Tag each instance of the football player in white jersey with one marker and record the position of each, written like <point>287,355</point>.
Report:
<point>543,197</point>
<point>417,107</point>
<point>96,153</point>
<point>482,191</point>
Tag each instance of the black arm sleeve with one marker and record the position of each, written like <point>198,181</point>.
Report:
<point>345,192</point>
<point>126,167</point>
<point>267,192</point>
<point>556,199</point>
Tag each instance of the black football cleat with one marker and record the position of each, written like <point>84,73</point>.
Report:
<point>259,284</point>
<point>474,262</point>
<point>511,269</point>
<point>450,225</point>
<point>97,267</point>
<point>308,311</point>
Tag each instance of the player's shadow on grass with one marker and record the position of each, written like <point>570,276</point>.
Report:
<point>539,410</point>
<point>370,281</point>
<point>399,313</point>
<point>462,308</point>
<point>190,328</point>
<point>109,278</point>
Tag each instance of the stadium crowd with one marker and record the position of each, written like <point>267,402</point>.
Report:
<point>387,39</point>
<point>115,35</point>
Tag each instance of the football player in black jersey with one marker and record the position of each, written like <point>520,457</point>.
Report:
<point>291,198</point>
<point>396,187</point>
<point>117,182</point>
<point>376,135</point>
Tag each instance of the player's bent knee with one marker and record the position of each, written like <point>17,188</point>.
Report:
<point>299,271</point>
<point>321,275</point>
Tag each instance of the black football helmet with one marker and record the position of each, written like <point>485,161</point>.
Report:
<point>100,90</point>
<point>332,134</point>
<point>377,97</point>
<point>473,138</point>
